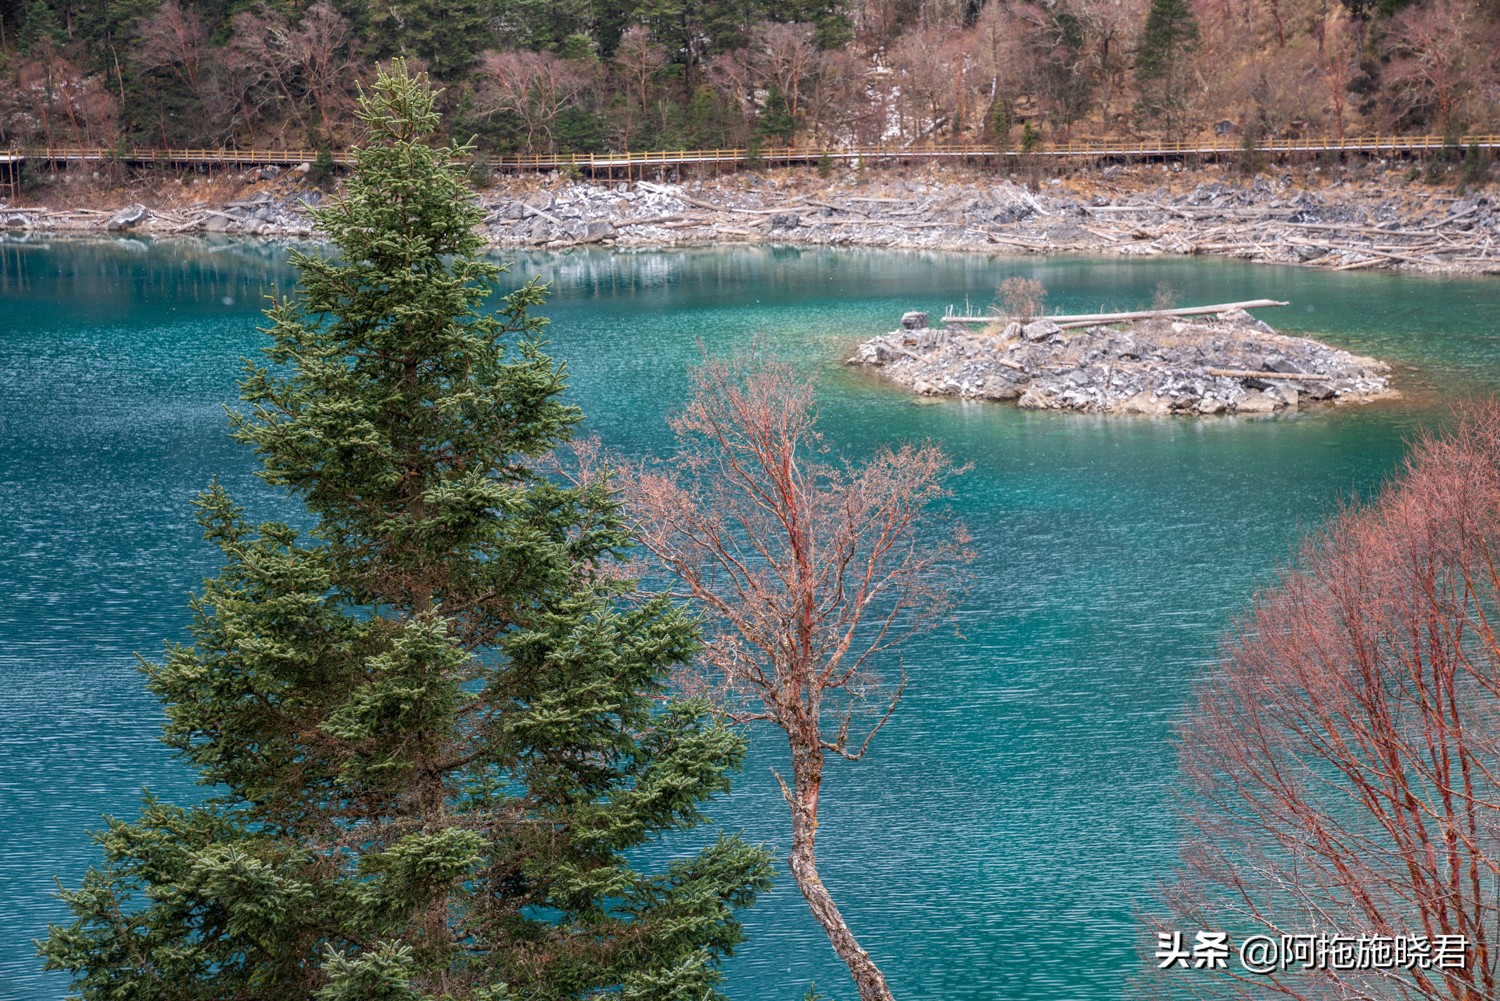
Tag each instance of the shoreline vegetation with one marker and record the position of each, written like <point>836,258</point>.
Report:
<point>1341,218</point>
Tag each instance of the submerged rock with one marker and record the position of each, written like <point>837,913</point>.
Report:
<point>1230,364</point>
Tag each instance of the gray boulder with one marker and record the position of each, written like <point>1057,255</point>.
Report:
<point>914,321</point>
<point>998,387</point>
<point>128,218</point>
<point>1035,398</point>
<point>1040,330</point>
<point>1256,402</point>
<point>599,229</point>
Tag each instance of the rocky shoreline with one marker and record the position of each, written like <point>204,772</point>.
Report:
<point>1372,220</point>
<point>1229,364</point>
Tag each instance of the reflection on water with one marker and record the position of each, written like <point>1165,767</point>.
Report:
<point>1016,813</point>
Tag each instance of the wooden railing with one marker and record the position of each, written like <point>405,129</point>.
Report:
<point>594,162</point>
<point>225,157</point>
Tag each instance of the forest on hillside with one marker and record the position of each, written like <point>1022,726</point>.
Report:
<point>596,75</point>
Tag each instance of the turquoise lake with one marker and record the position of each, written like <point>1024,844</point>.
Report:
<point>1014,818</point>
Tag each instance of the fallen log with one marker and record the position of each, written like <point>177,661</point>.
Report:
<point>836,208</point>
<point>1111,209</point>
<point>533,210</point>
<point>649,220</point>
<point>1240,373</point>
<point>1016,242</point>
<point>700,203</point>
<point>1102,234</point>
<point>1139,314</point>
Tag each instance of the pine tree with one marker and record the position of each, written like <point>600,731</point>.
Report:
<point>433,726</point>
<point>448,37</point>
<point>1161,62</point>
<point>40,28</point>
<point>775,122</point>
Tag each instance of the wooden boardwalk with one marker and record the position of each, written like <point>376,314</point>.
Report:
<point>647,162</point>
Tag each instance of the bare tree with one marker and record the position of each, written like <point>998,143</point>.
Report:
<point>537,87</point>
<point>1021,298</point>
<point>1339,52</point>
<point>812,572</point>
<point>999,55</point>
<point>839,110</point>
<point>87,105</point>
<point>1111,30</point>
<point>323,48</point>
<point>261,67</point>
<point>786,54</point>
<point>639,60</point>
<point>1344,766</point>
<point>1283,89</point>
<point>734,75</point>
<point>173,38</point>
<point>931,65</point>
<point>1443,59</point>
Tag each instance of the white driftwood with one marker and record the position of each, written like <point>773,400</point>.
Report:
<point>1140,314</point>
<point>1240,373</point>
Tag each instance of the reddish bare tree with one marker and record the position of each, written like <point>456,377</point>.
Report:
<point>639,59</point>
<point>311,68</point>
<point>1111,31</point>
<point>999,55</point>
<point>173,38</point>
<point>1443,59</point>
<point>537,87</point>
<point>1339,41</point>
<point>1345,764</point>
<point>812,572</point>
<point>259,67</point>
<point>88,106</point>
<point>786,54</point>
<point>1021,298</point>
<point>323,48</point>
<point>735,75</point>
<point>931,65</point>
<point>839,110</point>
<point>1282,90</point>
<point>28,99</point>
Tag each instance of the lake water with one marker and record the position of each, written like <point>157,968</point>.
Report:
<point>1015,815</point>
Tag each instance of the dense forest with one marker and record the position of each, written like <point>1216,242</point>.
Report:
<point>587,75</point>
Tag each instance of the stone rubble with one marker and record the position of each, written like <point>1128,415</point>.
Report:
<point>1363,222</point>
<point>1149,367</point>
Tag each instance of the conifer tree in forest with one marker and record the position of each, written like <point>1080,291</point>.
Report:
<point>432,725</point>
<point>40,28</point>
<point>1161,62</point>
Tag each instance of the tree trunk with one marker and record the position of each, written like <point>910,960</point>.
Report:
<point>807,778</point>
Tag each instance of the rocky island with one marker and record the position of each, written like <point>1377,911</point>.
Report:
<point>1151,363</point>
